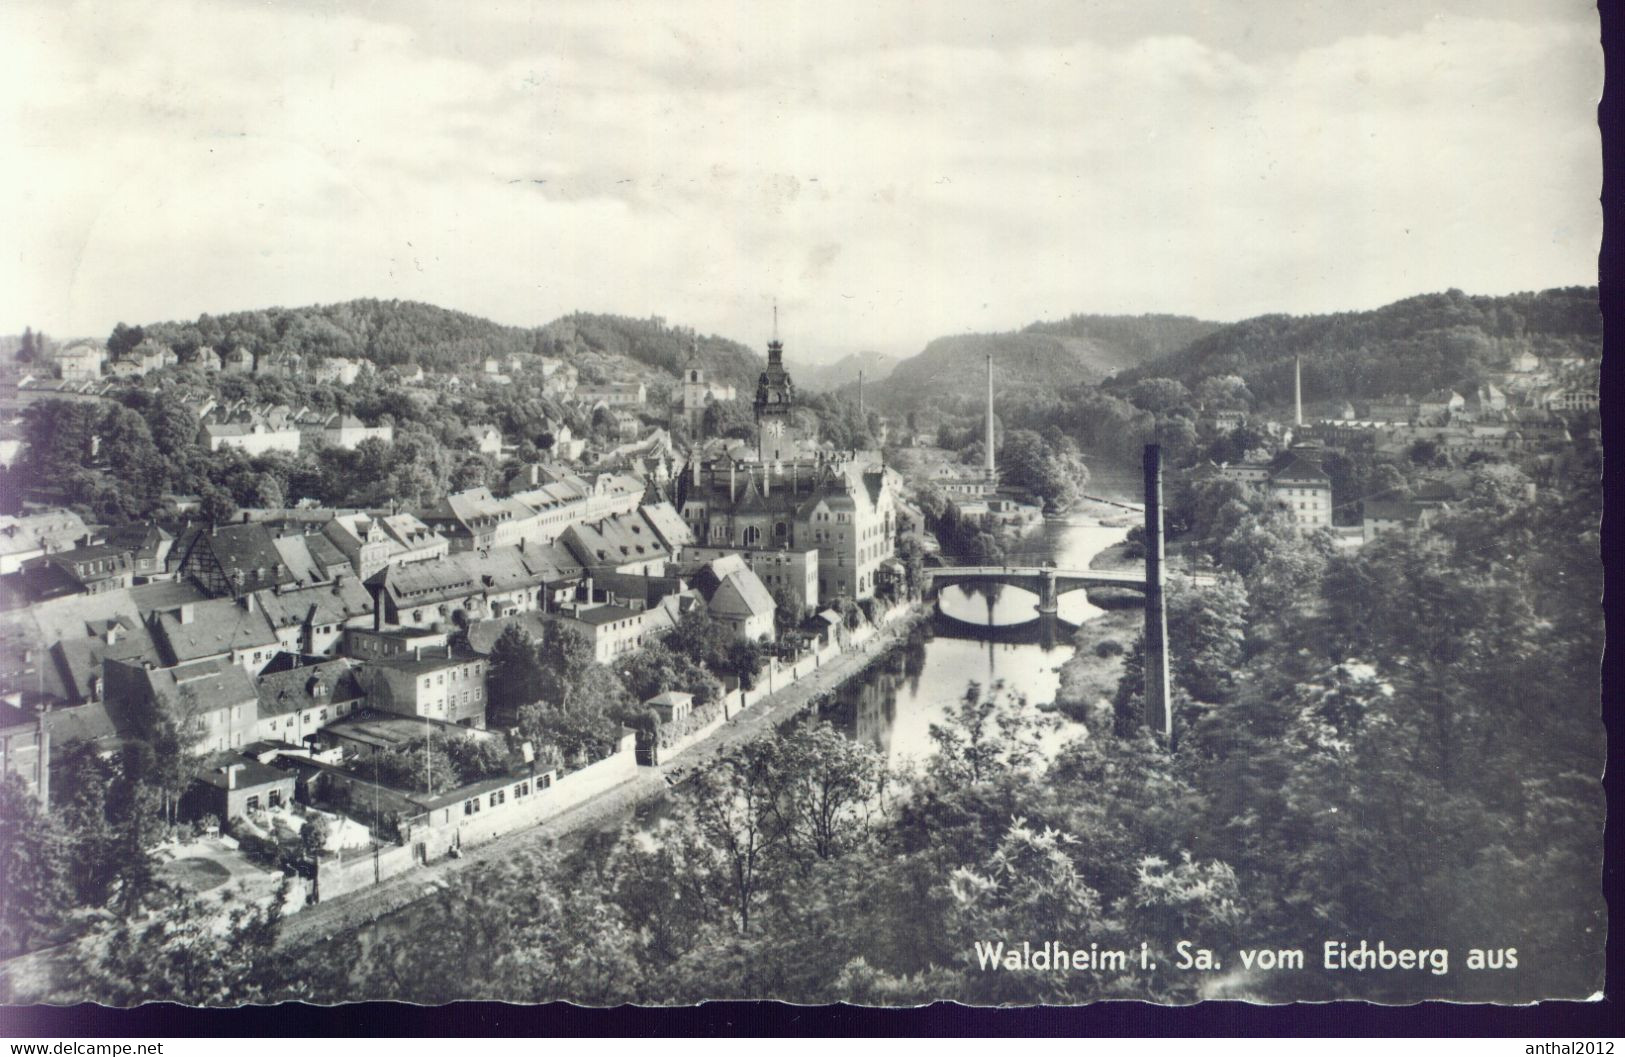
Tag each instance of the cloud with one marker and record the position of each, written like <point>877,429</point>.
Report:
<point>886,172</point>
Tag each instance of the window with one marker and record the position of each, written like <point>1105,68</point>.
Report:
<point>498,796</point>
<point>544,781</point>
<point>253,803</point>
<point>471,807</point>
<point>522,789</point>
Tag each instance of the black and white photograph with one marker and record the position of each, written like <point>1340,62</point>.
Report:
<point>1014,504</point>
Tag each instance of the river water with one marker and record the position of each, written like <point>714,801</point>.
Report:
<point>985,636</point>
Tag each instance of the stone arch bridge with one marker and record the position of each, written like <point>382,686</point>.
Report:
<point>1047,582</point>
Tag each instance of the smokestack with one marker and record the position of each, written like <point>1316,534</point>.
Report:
<point>1297,390</point>
<point>989,468</point>
<point>1158,713</point>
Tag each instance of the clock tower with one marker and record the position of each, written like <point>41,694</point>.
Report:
<point>775,405</point>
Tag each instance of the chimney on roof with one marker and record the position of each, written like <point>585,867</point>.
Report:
<point>186,615</point>
<point>250,603</point>
<point>230,771</point>
<point>417,652</point>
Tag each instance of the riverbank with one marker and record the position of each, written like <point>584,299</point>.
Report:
<point>609,809</point>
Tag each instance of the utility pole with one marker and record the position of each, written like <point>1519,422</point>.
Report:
<point>1158,709</point>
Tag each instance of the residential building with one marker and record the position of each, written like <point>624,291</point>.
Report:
<point>148,547</point>
<point>232,631</point>
<point>232,785</point>
<point>736,597</point>
<point>312,620</point>
<point>253,437</point>
<point>1250,474</point>
<point>230,560</point>
<point>347,431</point>
<point>625,543</point>
<point>487,439</point>
<point>792,572</point>
<point>81,361</point>
<point>32,535</point>
<point>1304,489</point>
<point>465,587</point>
<point>297,702</point>
<point>444,684</point>
<point>617,630</point>
<point>1383,516</point>
<point>212,701</point>
<point>372,542</point>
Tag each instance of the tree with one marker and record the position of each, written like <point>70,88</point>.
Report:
<point>123,339</point>
<point>217,506</point>
<point>35,891</point>
<point>827,791</point>
<point>989,732</point>
<point>787,611</point>
<point>211,950</point>
<point>313,836</point>
<point>515,677</point>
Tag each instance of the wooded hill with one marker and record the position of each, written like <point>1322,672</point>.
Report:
<point>1043,356</point>
<point>1409,347</point>
<point>402,333</point>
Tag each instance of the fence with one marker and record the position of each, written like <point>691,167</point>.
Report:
<point>515,804</point>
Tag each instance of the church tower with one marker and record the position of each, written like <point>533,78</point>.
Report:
<point>775,404</point>
<point>696,390</point>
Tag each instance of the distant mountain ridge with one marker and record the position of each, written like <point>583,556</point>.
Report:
<point>1047,355</point>
<point>820,377</point>
<point>1411,346</point>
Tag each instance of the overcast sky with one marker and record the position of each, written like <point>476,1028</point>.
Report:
<point>887,171</point>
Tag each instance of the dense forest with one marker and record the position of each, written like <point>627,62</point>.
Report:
<point>1079,349</point>
<point>1411,346</point>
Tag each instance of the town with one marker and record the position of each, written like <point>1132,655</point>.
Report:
<point>353,692</point>
<point>302,628</point>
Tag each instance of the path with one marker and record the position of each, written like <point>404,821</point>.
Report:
<point>606,810</point>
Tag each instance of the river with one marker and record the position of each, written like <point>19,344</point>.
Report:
<point>892,708</point>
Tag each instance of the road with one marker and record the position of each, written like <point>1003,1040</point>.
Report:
<point>605,811</point>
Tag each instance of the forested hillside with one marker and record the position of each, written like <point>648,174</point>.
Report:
<point>384,332</point>
<point>652,342</point>
<point>398,333</point>
<point>1411,346</point>
<point>1041,357</point>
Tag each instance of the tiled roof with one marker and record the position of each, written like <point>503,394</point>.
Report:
<point>292,691</point>
<point>217,627</point>
<point>615,540</point>
<point>463,574</point>
<point>325,603</point>
<point>251,774</point>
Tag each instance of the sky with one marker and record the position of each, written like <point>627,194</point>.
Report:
<point>885,172</point>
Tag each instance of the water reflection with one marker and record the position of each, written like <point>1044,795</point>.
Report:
<point>985,632</point>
